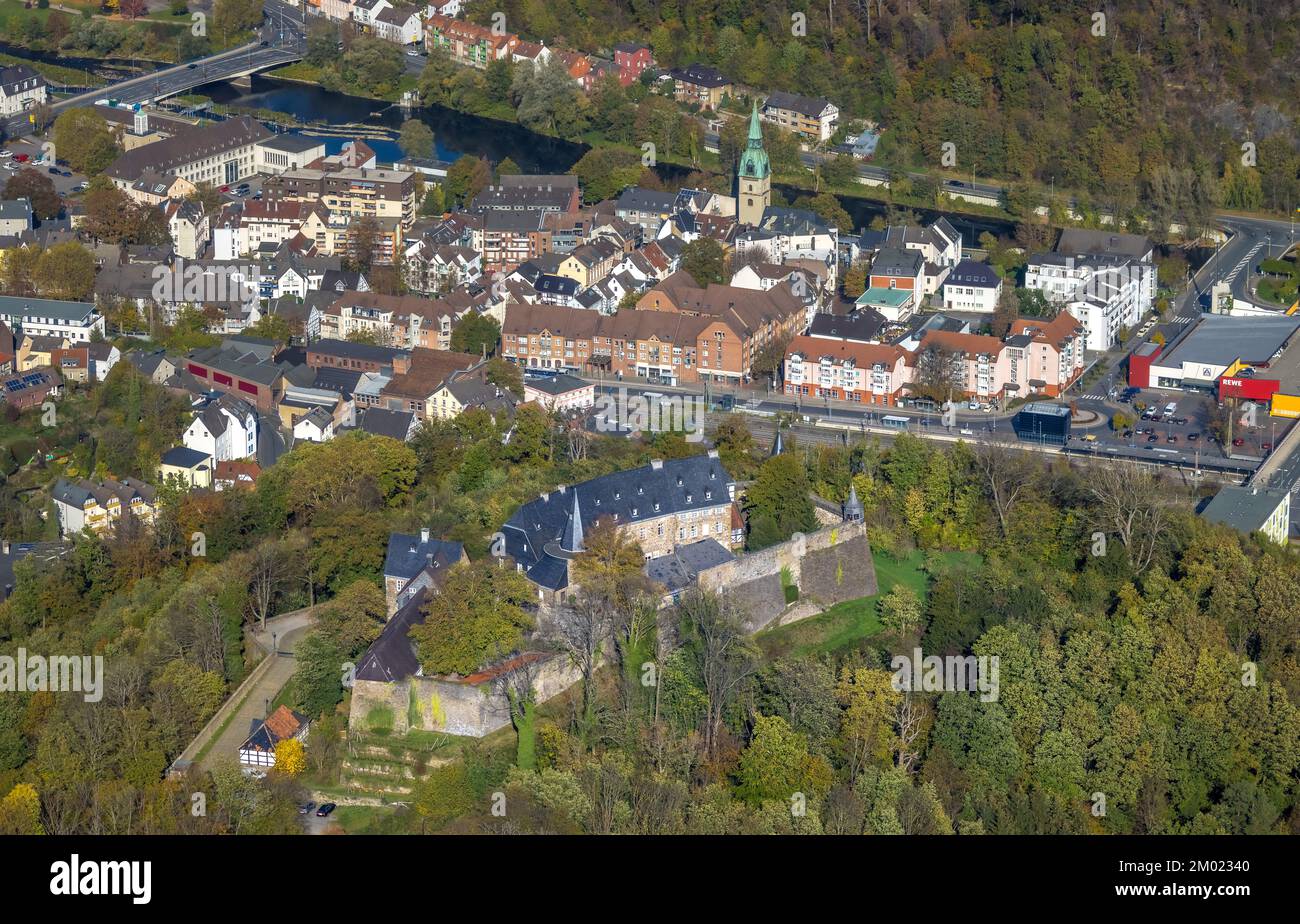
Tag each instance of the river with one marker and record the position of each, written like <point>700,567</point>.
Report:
<point>458,133</point>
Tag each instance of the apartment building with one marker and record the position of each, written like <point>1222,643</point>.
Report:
<point>349,191</point>
<point>758,317</point>
<point>632,59</point>
<point>97,506</point>
<point>1044,357</point>
<point>516,193</point>
<point>401,25</point>
<point>700,85</point>
<point>51,317</point>
<point>845,370</point>
<point>980,367</point>
<point>1104,279</point>
<point>507,239</point>
<point>402,322</point>
<point>662,346</point>
<point>467,43</point>
<point>972,286</point>
<point>21,89</point>
<point>813,118</point>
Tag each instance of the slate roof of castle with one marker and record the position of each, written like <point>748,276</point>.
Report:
<point>408,554</point>
<point>628,496</point>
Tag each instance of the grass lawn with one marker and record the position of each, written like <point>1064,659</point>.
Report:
<point>370,819</point>
<point>847,624</point>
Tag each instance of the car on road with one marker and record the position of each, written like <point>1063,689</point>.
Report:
<point>413,54</point>
<point>974,405</point>
<point>325,809</point>
<point>306,807</point>
<point>191,66</point>
<point>1089,437</point>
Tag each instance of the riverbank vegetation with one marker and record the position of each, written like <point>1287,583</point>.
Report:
<point>1146,114</point>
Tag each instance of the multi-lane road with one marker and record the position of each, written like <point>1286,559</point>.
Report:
<point>281,40</point>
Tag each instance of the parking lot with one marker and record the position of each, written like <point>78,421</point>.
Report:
<point>32,150</point>
<point>1187,431</point>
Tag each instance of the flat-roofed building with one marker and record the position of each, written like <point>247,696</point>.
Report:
<point>1252,510</point>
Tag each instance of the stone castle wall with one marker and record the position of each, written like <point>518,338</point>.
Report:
<point>456,708</point>
<point>828,566</point>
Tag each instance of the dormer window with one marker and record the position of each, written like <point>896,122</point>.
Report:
<point>617,495</point>
<point>708,495</point>
<point>640,490</point>
<point>688,498</point>
<point>633,511</point>
<point>656,506</point>
<point>679,481</point>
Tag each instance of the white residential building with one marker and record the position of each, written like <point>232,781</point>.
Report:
<point>226,430</point>
<point>50,317</point>
<point>972,286</point>
<point>21,89</point>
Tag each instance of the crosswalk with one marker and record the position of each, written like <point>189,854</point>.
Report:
<point>1182,320</point>
<point>1242,263</point>
<point>1093,397</point>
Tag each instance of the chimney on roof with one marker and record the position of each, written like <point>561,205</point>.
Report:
<point>424,536</point>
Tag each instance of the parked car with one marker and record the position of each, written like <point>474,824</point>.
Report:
<point>22,158</point>
<point>1172,438</point>
<point>1193,437</point>
<point>325,809</point>
<point>306,807</point>
<point>1127,434</point>
<point>1152,437</point>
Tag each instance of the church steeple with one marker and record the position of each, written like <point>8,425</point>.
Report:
<point>754,175</point>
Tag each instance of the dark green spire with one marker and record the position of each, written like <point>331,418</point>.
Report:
<point>753,162</point>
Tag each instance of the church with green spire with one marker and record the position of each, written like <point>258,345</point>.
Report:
<point>754,177</point>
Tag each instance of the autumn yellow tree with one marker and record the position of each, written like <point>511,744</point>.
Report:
<point>20,811</point>
<point>290,756</point>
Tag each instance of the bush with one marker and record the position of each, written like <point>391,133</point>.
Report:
<point>379,721</point>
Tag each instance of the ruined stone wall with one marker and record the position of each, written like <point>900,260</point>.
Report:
<point>449,706</point>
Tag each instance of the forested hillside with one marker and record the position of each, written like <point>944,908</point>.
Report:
<point>1151,113</point>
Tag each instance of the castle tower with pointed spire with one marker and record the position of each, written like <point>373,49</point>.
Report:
<point>853,512</point>
<point>754,175</point>
<point>571,541</point>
